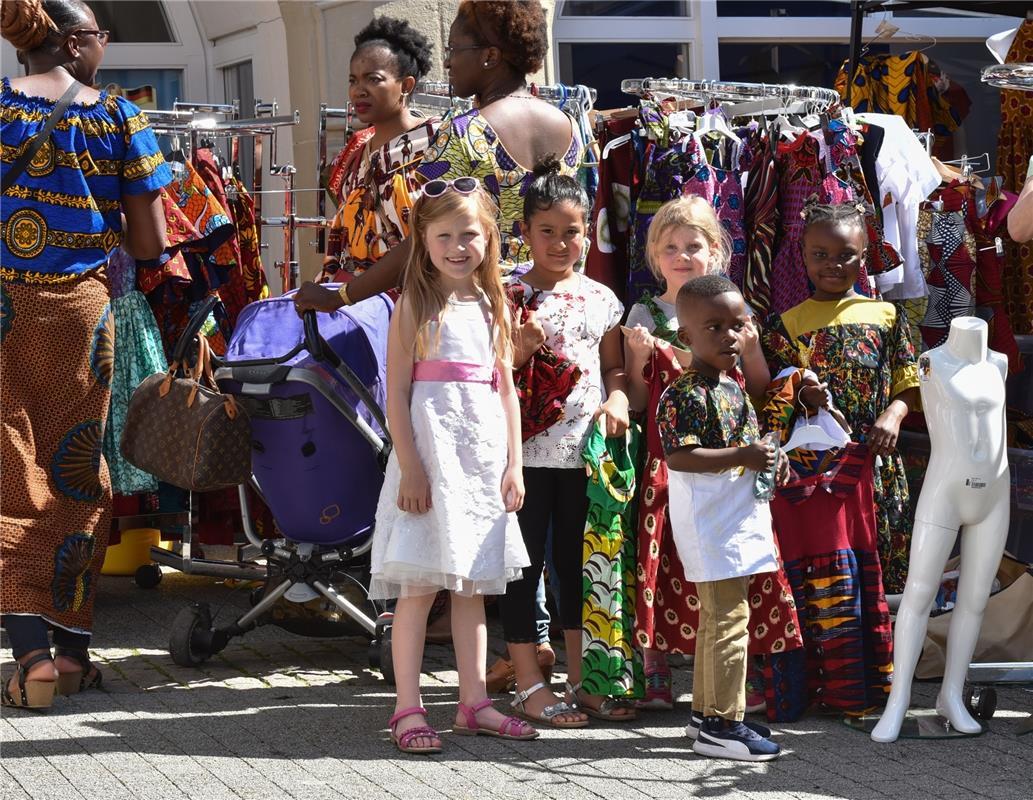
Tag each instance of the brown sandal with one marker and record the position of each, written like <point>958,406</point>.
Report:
<point>78,680</point>
<point>33,694</point>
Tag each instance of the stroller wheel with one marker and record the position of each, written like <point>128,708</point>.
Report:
<point>189,633</point>
<point>148,576</point>
<point>981,701</point>
<point>380,649</point>
<point>387,664</point>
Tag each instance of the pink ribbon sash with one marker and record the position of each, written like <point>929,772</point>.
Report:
<point>455,371</point>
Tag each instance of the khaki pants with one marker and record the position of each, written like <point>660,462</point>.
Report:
<point>719,675</point>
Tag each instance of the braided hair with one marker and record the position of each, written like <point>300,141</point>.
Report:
<point>31,24</point>
<point>817,213</point>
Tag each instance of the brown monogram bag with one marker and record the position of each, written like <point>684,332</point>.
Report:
<point>185,432</point>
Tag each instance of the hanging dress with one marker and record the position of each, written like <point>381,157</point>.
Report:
<point>138,355</point>
<point>805,169</point>
<point>611,665</point>
<point>1014,148</point>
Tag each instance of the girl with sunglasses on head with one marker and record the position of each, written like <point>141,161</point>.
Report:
<point>577,318</point>
<point>446,514</point>
<point>493,46</point>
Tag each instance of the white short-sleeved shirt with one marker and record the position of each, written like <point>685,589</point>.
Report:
<point>639,315</point>
<point>575,321</point>
<point>906,178</point>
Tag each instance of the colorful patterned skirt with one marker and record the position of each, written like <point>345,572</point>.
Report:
<point>826,527</point>
<point>55,378</point>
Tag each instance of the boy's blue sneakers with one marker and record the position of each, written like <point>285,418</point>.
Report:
<point>722,738</point>
<point>696,722</point>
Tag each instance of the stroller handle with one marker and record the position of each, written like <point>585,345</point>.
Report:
<point>193,328</point>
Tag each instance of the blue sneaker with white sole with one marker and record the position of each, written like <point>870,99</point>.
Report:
<point>696,722</point>
<point>722,738</point>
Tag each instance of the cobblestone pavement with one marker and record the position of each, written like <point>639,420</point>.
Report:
<point>281,716</point>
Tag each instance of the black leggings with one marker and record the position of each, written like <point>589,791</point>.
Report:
<point>28,632</point>
<point>558,496</point>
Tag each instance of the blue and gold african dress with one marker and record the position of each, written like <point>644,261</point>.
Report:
<point>58,224</point>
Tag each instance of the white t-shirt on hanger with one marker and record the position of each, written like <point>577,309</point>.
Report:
<point>907,176</point>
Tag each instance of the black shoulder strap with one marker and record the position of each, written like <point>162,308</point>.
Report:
<point>34,144</point>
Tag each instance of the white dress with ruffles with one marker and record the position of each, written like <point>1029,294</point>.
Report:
<point>467,542</point>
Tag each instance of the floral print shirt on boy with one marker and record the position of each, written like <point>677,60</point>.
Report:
<point>697,410</point>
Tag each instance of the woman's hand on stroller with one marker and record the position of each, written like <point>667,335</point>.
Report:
<point>414,491</point>
<point>313,297</point>
<point>513,488</point>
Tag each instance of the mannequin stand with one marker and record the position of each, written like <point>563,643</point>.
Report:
<point>919,723</point>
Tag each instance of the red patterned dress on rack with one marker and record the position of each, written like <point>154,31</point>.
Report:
<point>957,226</point>
<point>607,260</point>
<point>667,607</point>
<point>826,529</point>
<point>1014,148</point>
<point>197,260</point>
<point>806,168</point>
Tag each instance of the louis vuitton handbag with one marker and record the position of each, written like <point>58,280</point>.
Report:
<point>184,431</point>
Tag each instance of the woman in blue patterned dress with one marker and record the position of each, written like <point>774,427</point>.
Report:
<point>92,184</point>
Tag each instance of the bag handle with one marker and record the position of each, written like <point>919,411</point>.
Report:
<point>36,142</point>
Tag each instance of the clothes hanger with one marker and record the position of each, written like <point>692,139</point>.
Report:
<point>813,435</point>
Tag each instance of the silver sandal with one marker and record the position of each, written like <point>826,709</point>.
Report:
<point>549,713</point>
<point>606,708</point>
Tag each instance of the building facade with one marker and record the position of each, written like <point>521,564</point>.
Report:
<point>296,52</point>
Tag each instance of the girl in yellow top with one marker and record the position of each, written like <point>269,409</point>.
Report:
<point>862,353</point>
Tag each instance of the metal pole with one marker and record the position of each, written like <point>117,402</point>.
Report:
<point>857,14</point>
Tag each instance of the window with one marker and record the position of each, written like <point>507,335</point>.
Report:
<point>604,65</point>
<point>148,88</point>
<point>238,84</point>
<point>783,8</point>
<point>133,20</point>
<point>627,8</point>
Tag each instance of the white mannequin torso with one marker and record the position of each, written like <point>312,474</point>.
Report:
<point>962,387</point>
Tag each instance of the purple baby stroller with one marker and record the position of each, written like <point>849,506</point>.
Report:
<point>315,394</point>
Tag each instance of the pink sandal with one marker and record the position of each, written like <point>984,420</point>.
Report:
<point>402,742</point>
<point>510,727</point>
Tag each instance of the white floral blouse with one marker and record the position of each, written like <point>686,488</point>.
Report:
<point>575,321</point>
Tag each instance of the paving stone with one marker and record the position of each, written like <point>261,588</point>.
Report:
<point>277,716</point>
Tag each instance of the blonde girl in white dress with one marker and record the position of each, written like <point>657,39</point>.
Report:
<point>446,517</point>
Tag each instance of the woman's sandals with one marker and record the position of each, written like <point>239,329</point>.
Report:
<point>33,693</point>
<point>78,680</point>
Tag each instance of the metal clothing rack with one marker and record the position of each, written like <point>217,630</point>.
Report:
<point>859,9</point>
<point>705,91</point>
<point>1009,76</point>
<point>197,120</point>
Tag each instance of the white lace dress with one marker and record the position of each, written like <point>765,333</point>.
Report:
<point>466,542</point>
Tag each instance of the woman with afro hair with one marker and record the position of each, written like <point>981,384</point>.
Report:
<point>374,177</point>
<point>493,46</point>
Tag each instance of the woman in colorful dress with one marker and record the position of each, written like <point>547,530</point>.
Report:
<point>377,183</point>
<point>493,45</point>
<point>92,183</point>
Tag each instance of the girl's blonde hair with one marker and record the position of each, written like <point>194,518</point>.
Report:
<point>689,212</point>
<point>425,298</point>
